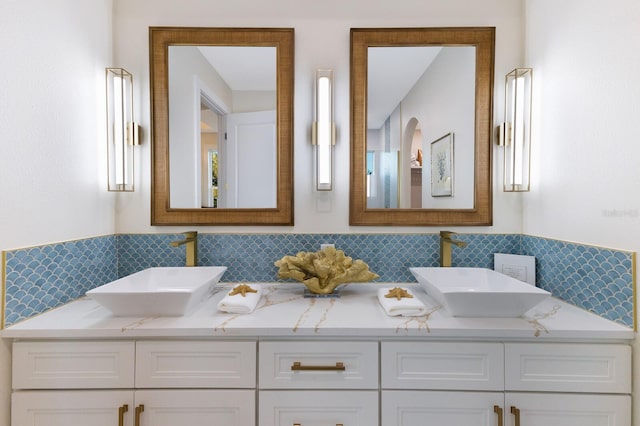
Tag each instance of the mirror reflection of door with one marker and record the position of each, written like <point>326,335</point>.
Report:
<point>238,154</point>
<point>212,176</point>
<point>416,169</point>
<point>250,160</point>
<point>211,123</point>
<point>411,166</point>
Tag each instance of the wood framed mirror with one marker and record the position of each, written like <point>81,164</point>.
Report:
<point>212,80</point>
<point>453,81</point>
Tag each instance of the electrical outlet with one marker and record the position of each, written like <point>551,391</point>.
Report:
<point>324,246</point>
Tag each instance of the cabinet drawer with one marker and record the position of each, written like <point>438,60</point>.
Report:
<point>318,365</point>
<point>568,367</point>
<point>314,408</point>
<point>442,365</point>
<point>73,364</point>
<point>195,364</point>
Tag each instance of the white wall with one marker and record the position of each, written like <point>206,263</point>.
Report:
<point>321,41</point>
<point>53,184</point>
<point>585,166</point>
<point>586,133</point>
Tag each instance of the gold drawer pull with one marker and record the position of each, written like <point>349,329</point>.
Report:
<point>121,410</point>
<point>516,412</point>
<point>297,366</point>
<point>298,424</point>
<point>498,410</point>
<point>139,409</point>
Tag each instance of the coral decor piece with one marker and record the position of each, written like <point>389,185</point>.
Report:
<point>324,270</point>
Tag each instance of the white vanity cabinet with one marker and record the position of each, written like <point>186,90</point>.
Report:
<point>531,384</point>
<point>318,383</point>
<point>114,382</point>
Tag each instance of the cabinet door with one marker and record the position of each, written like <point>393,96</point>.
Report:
<point>419,408</point>
<point>318,408</point>
<point>67,408</point>
<point>318,365</point>
<point>531,409</point>
<point>195,407</point>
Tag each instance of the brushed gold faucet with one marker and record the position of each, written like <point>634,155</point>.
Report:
<point>191,243</point>
<point>445,247</point>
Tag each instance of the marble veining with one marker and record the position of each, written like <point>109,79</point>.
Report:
<point>535,320</point>
<point>284,312</point>
<point>421,322</point>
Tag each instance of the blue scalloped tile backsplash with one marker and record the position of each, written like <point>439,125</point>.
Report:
<point>250,257</point>
<point>39,278</point>
<point>596,279</point>
<point>43,277</point>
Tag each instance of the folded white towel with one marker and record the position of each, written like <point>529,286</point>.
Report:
<point>241,300</point>
<point>407,307</point>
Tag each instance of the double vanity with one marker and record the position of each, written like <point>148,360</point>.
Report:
<point>320,361</point>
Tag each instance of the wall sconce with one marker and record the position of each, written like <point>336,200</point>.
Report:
<point>324,130</point>
<point>515,132</point>
<point>122,131</point>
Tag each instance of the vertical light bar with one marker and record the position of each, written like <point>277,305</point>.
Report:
<point>324,130</point>
<point>517,129</point>
<point>122,131</point>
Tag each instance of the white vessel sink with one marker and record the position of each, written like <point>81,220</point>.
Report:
<point>478,292</point>
<point>162,291</point>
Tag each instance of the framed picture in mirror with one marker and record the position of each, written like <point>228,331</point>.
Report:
<point>442,166</point>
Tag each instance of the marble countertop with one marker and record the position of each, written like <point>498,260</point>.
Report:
<point>283,312</point>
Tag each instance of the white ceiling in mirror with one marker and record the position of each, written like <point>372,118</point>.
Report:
<point>243,67</point>
<point>389,83</point>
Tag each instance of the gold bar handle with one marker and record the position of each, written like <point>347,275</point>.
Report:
<point>498,410</point>
<point>139,410</point>
<point>516,412</point>
<point>297,366</point>
<point>121,410</point>
<point>298,424</point>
